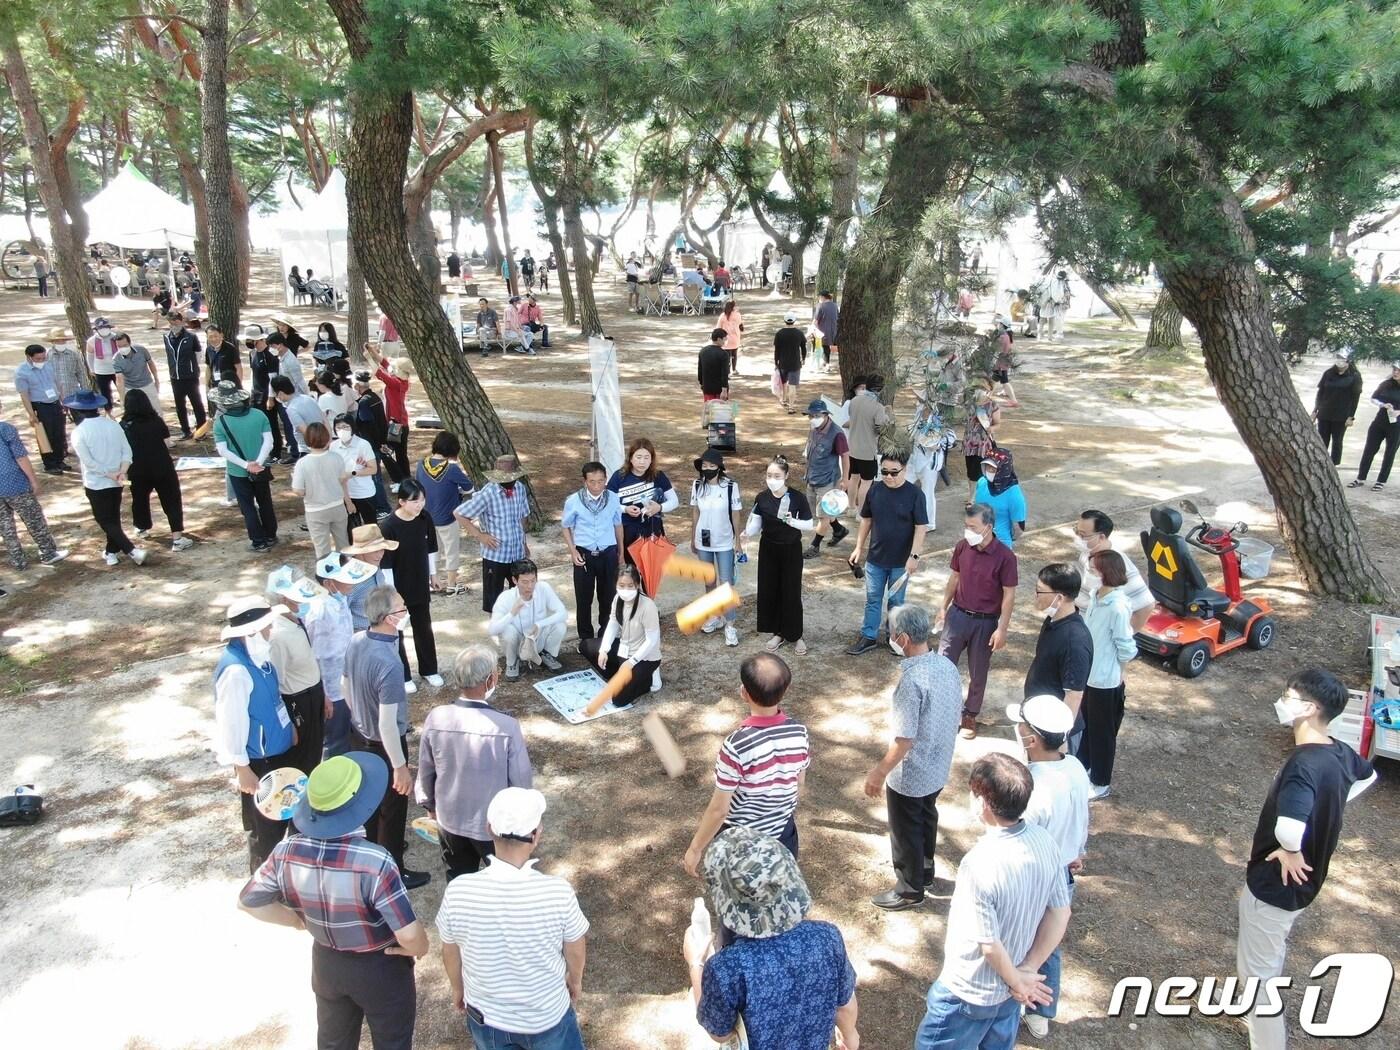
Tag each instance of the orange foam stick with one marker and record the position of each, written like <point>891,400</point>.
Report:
<point>720,600</point>
<point>663,744</point>
<point>688,568</point>
<point>610,689</point>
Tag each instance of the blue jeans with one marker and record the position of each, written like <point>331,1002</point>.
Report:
<point>951,1024</point>
<point>563,1036</point>
<point>337,736</point>
<point>1051,970</point>
<point>877,578</point>
<point>723,561</point>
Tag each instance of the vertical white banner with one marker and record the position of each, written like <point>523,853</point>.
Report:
<point>607,401</point>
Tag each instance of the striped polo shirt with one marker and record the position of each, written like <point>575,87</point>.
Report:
<point>511,925</point>
<point>1005,883</point>
<point>761,763</point>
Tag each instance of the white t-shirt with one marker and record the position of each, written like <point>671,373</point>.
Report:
<point>332,405</point>
<point>358,448</point>
<point>716,502</point>
<point>1137,592</point>
<point>511,925</point>
<point>1060,804</point>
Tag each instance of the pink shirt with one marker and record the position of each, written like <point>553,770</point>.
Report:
<point>730,322</point>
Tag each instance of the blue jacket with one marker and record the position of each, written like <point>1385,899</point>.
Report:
<point>269,728</point>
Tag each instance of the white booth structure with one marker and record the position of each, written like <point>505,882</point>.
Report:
<point>133,212</point>
<point>317,237</point>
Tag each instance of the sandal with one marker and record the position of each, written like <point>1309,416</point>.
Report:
<point>775,643</point>
<point>1356,484</point>
<point>1378,486</point>
<point>800,647</point>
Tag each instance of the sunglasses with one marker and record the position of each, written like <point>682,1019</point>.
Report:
<point>891,473</point>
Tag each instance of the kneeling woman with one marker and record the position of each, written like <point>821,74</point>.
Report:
<point>631,637</point>
<point>783,516</point>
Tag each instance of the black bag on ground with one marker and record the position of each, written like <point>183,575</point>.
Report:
<point>21,807</point>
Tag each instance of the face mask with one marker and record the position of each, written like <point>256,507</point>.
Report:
<point>259,648</point>
<point>105,333</point>
<point>398,623</point>
<point>1081,544</point>
<point>817,422</point>
<point>709,475</point>
<point>626,595</point>
<point>776,485</point>
<point>325,337</point>
<point>1053,608</point>
<point>124,350</point>
<point>1289,711</point>
<point>974,810</point>
<point>344,433</point>
<point>974,539</point>
<point>489,694</point>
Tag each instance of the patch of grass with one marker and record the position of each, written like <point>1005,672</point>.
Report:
<point>16,675</point>
<point>1124,394</point>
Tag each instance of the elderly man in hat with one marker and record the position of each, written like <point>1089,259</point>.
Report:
<point>379,717</point>
<point>330,626</point>
<point>254,731</point>
<point>347,893</point>
<point>1059,804</point>
<point>244,439</point>
<point>69,371</point>
<point>495,515</point>
<point>513,937</point>
<point>367,545</point>
<point>104,454</point>
<point>828,461</point>
<point>102,357</point>
<point>787,976</point>
<point>36,381</point>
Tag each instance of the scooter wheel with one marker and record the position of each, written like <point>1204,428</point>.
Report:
<point>1192,661</point>
<point>1261,633</point>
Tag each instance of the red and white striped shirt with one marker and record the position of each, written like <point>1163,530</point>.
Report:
<point>762,762</point>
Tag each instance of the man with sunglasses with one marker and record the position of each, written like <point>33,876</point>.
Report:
<point>893,521</point>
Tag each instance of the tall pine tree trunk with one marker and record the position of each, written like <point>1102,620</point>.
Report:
<point>493,151</point>
<point>67,249</point>
<point>356,302</point>
<point>568,197</point>
<point>567,303</point>
<point>918,173</point>
<point>223,285</point>
<point>376,164</point>
<point>845,179</point>
<point>1164,330</point>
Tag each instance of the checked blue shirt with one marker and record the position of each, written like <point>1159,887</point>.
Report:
<point>503,517</point>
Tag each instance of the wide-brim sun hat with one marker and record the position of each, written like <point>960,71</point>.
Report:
<point>353,571</point>
<point>228,394</point>
<point>507,469</point>
<point>341,794</point>
<point>754,883</point>
<point>287,582</point>
<point>365,539</point>
<point>56,334</point>
<point>247,616</point>
<point>85,401</point>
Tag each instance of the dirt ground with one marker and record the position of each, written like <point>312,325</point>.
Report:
<point>126,892</point>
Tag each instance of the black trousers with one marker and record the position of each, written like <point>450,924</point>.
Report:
<point>50,417</point>
<point>366,512</point>
<point>274,420</point>
<point>386,825</point>
<point>171,502</point>
<point>398,465</point>
<point>1332,431</point>
<point>43,287</point>
<point>424,644</point>
<point>184,391</point>
<point>496,576</point>
<point>1103,716</point>
<point>308,713</point>
<point>597,574</point>
<point>254,497</point>
<point>1380,432</point>
<point>354,987</point>
<point>107,512</point>
<point>640,684</point>
<point>107,384</point>
<point>913,833</point>
<point>463,856</point>
<point>263,834</point>
<point>780,588</point>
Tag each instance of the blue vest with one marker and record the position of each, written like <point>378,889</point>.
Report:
<point>269,728</point>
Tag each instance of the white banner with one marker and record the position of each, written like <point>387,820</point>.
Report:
<point>607,401</point>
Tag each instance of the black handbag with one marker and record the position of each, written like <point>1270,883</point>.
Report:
<point>21,808</point>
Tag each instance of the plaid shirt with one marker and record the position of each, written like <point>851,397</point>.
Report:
<point>68,371</point>
<point>347,890</point>
<point>503,517</point>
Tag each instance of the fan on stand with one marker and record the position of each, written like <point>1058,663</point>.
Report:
<point>120,277</point>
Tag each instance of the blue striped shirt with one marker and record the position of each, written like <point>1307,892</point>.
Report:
<point>501,516</point>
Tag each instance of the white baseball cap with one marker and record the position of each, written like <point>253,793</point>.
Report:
<point>1047,714</point>
<point>353,571</point>
<point>789,317</point>
<point>515,811</point>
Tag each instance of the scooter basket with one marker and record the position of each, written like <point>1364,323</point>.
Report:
<point>1255,556</point>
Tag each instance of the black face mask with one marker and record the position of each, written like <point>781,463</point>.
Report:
<point>709,475</point>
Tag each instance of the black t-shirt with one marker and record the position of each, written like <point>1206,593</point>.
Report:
<point>265,365</point>
<point>417,539</point>
<point>1063,654</point>
<point>225,361</point>
<point>893,513</point>
<point>789,347</point>
<point>1338,394</point>
<point>767,506</point>
<point>150,458</point>
<point>712,370</point>
<point>1389,392</point>
<point>1312,787</point>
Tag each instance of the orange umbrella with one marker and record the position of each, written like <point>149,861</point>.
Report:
<point>649,554</point>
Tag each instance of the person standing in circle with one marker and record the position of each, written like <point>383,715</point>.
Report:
<point>782,515</point>
<point>1334,409</point>
<point>1385,429</point>
<point>646,494</point>
<point>410,566</point>
<point>715,533</point>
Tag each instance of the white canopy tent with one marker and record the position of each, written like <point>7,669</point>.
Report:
<point>317,237</point>
<point>133,212</point>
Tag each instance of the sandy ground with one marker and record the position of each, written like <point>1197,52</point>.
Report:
<point>126,892</point>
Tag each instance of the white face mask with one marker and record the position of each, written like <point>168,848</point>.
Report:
<point>489,694</point>
<point>1288,710</point>
<point>974,810</point>
<point>325,337</point>
<point>1081,544</point>
<point>124,350</point>
<point>345,434</point>
<point>626,595</point>
<point>974,539</point>
<point>105,333</point>
<point>259,648</point>
<point>776,485</point>
<point>817,422</point>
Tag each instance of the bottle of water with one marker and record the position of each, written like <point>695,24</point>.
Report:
<point>699,932</point>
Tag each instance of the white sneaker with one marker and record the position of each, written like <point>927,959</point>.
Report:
<point>1038,1026</point>
<point>731,636</point>
<point>656,681</point>
<point>184,543</point>
<point>111,559</point>
<point>434,680</point>
<point>713,624</point>
<point>410,688</point>
<point>228,502</point>
<point>142,533</point>
<point>1096,792</point>
<point>139,555</point>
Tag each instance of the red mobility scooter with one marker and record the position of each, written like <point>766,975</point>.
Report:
<point>1193,623</point>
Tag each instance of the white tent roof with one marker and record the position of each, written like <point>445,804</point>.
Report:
<point>133,212</point>
<point>325,213</point>
<point>315,236</point>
